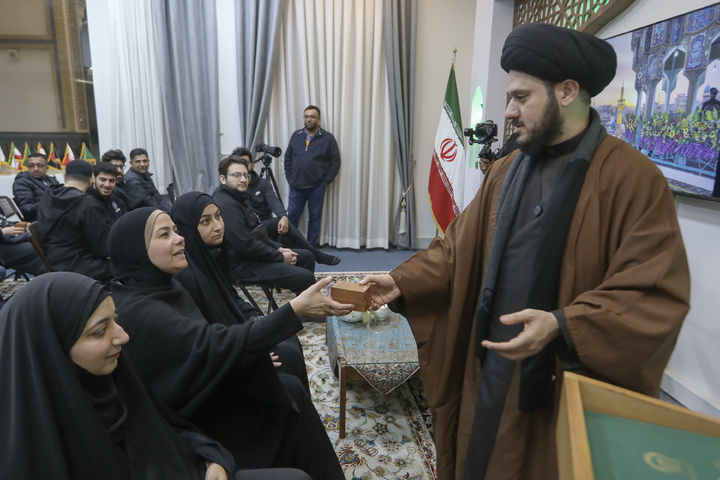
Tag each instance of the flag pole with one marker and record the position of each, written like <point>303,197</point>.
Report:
<point>454,54</point>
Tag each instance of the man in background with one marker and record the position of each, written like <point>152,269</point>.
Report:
<point>72,226</point>
<point>30,184</point>
<point>138,176</point>
<point>264,202</point>
<point>131,195</point>
<point>312,161</point>
<point>712,104</point>
<point>104,189</point>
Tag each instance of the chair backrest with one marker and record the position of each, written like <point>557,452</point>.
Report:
<point>37,244</point>
<point>8,208</point>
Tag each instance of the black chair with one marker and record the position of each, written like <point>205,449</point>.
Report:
<point>272,305</point>
<point>8,208</point>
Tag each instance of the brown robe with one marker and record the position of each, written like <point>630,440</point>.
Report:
<point>624,290</point>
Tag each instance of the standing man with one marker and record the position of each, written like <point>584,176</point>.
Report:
<point>312,160</point>
<point>30,185</point>
<point>569,258</point>
<point>139,177</point>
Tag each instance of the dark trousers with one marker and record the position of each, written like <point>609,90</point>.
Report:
<point>314,197</point>
<point>292,239</point>
<point>277,274</point>
<point>22,258</point>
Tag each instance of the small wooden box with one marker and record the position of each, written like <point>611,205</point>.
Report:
<point>345,292</point>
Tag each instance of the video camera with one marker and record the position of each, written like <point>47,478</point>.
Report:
<point>485,132</point>
<point>270,150</point>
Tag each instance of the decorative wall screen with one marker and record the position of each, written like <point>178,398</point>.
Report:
<point>585,15</point>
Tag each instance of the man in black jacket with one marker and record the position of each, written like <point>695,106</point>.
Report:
<point>131,195</point>
<point>104,189</point>
<point>139,177</point>
<point>254,257</point>
<point>30,185</point>
<point>264,202</point>
<point>72,226</point>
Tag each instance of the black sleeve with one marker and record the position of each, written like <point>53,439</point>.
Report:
<point>243,245</point>
<point>94,226</point>
<point>272,200</point>
<point>333,154</point>
<point>23,193</point>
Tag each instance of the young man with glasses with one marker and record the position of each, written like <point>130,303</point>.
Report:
<point>254,257</point>
<point>312,161</point>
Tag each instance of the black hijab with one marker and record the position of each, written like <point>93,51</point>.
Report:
<point>131,264</point>
<point>53,426</point>
<point>210,274</point>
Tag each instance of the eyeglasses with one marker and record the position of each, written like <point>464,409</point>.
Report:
<point>310,117</point>
<point>238,176</point>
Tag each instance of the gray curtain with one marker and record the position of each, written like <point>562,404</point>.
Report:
<point>189,65</point>
<point>258,31</point>
<point>400,30</point>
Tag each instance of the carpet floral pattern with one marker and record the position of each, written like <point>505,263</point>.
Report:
<point>387,437</point>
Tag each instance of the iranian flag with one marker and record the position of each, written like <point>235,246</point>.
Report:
<point>445,187</point>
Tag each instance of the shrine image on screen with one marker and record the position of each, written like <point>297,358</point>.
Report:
<point>664,98</point>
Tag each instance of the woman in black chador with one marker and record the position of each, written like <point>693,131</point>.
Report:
<point>208,278</point>
<point>72,406</point>
<point>219,376</point>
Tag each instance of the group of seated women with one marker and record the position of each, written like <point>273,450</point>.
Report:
<point>191,382</point>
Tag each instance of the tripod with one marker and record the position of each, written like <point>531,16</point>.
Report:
<point>267,173</point>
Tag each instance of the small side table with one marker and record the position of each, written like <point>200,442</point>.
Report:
<point>384,354</point>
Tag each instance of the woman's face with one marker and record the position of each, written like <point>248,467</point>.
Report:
<point>98,348</point>
<point>167,248</point>
<point>211,226</point>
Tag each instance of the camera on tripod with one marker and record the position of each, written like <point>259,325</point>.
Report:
<point>267,150</point>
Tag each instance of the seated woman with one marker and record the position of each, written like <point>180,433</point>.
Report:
<point>73,408</point>
<point>219,376</point>
<point>208,278</point>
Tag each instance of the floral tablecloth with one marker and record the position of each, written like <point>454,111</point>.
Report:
<point>383,353</point>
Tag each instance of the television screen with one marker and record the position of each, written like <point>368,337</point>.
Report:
<point>664,98</point>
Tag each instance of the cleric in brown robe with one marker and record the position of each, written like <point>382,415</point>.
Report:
<point>569,258</point>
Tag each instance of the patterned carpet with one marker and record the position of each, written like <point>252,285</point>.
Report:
<point>388,437</point>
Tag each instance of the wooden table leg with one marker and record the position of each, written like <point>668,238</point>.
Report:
<point>342,378</point>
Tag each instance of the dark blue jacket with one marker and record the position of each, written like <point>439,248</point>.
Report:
<point>28,191</point>
<point>318,163</point>
<point>147,186</point>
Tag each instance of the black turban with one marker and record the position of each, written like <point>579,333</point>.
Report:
<point>556,54</point>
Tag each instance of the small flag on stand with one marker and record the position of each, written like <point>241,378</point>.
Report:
<point>86,154</point>
<point>54,158</point>
<point>15,157</point>
<point>69,155</point>
<point>26,154</point>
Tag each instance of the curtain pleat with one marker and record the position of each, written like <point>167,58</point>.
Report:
<point>187,47</point>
